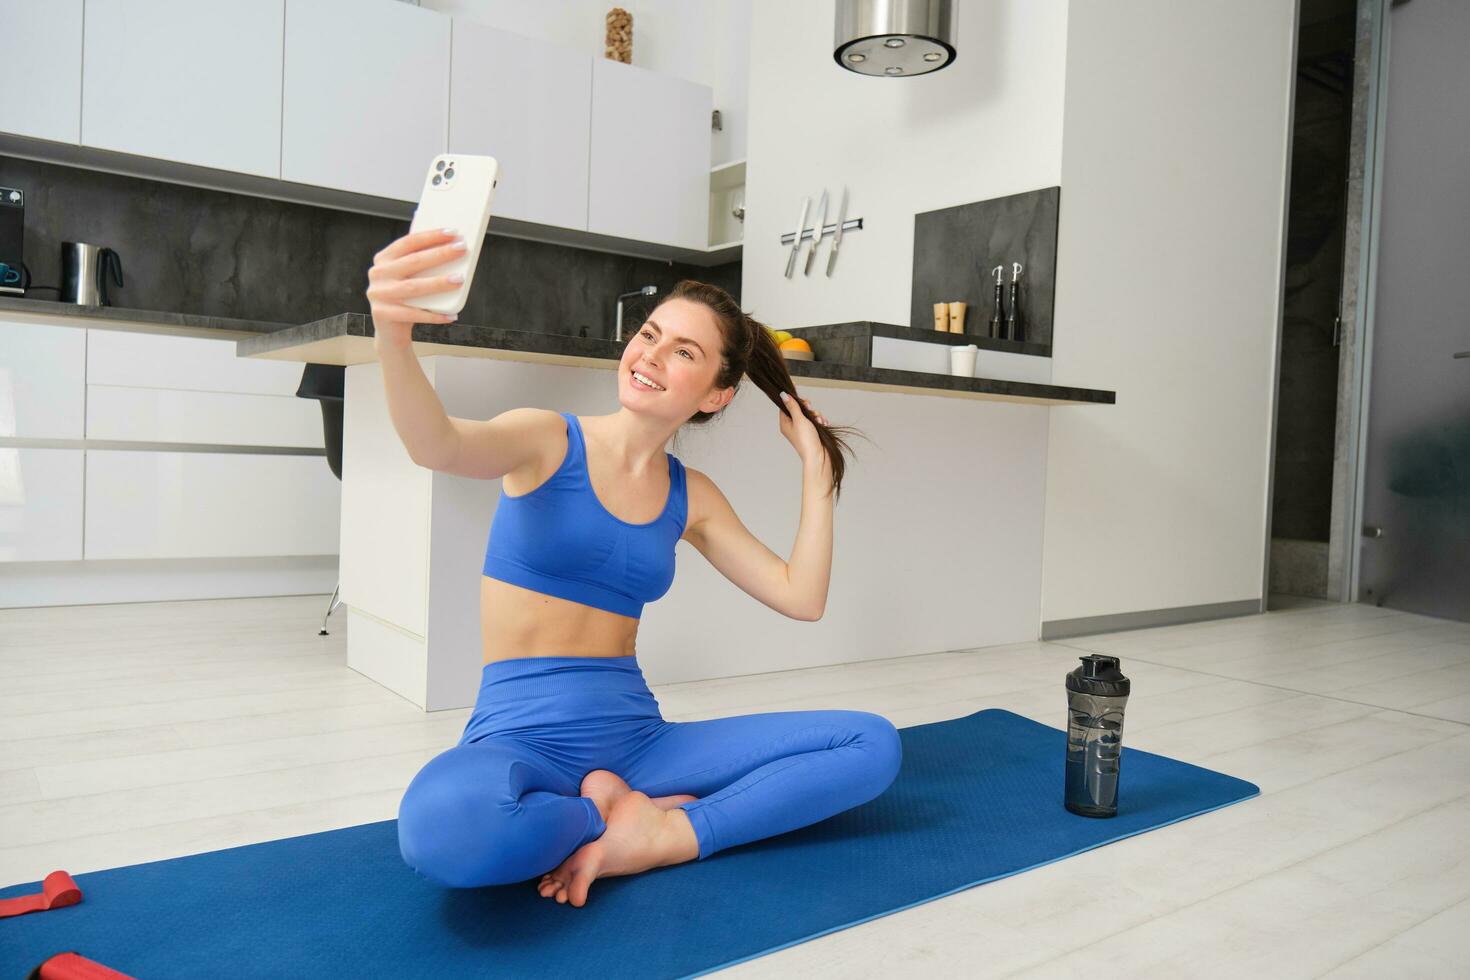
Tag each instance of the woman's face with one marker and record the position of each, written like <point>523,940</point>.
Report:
<point>677,348</point>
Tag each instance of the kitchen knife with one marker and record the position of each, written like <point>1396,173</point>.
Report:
<point>806,202</point>
<point>816,234</point>
<point>837,238</point>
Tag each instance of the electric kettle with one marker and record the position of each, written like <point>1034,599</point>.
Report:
<point>85,270</point>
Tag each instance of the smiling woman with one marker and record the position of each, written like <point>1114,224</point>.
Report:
<point>743,347</point>
<point>565,741</point>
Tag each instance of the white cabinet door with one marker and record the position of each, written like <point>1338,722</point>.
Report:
<point>366,95</point>
<point>41,68</point>
<point>163,388</point>
<point>212,418</point>
<point>186,81</point>
<point>144,360</point>
<point>43,380</point>
<point>649,177</point>
<point>209,505</point>
<point>40,504</point>
<point>527,103</point>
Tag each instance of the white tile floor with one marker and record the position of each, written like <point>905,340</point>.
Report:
<point>132,733</point>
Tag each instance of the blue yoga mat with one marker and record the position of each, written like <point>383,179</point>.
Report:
<point>977,798</point>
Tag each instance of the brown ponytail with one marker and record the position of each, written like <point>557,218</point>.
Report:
<point>749,349</point>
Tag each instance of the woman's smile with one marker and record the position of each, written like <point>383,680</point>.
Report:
<point>644,381</point>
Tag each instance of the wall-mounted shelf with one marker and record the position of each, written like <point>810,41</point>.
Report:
<point>726,191</point>
<point>727,175</point>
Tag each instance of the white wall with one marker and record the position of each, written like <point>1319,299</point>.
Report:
<point>707,41</point>
<point>961,485</point>
<point>988,125</point>
<point>1174,182</point>
<point>1166,126</point>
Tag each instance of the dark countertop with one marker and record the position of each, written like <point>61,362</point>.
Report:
<point>347,339</point>
<point>851,341</point>
<point>842,349</point>
<point>28,309</point>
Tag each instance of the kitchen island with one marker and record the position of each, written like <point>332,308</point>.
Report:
<point>937,535</point>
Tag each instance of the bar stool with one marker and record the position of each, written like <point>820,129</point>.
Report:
<point>326,383</point>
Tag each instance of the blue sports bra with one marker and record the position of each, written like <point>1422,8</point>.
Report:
<point>558,539</point>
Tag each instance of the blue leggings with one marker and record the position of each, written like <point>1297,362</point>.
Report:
<point>503,805</point>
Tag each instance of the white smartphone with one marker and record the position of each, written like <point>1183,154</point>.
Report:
<point>458,192</point>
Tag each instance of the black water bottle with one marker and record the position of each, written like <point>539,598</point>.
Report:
<point>1097,692</point>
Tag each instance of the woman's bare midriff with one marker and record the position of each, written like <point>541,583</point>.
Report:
<point>519,622</point>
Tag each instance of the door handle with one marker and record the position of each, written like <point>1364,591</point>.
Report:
<point>1463,353</point>
<point>1369,531</point>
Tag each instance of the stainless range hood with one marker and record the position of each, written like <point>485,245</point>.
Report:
<point>894,38</point>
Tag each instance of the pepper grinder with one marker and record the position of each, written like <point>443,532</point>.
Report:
<point>997,315</point>
<point>941,317</point>
<point>1015,328</point>
<point>957,316</point>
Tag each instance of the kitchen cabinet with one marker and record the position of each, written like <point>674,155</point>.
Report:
<point>163,503</point>
<point>41,68</point>
<point>180,80</point>
<point>43,378</point>
<point>40,504</point>
<point>209,505</point>
<point>211,418</point>
<point>143,360</point>
<point>527,103</point>
<point>162,447</point>
<point>161,388</point>
<point>649,178</point>
<point>366,98</point>
<point>342,103</point>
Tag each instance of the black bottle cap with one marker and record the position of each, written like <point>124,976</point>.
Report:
<point>1099,676</point>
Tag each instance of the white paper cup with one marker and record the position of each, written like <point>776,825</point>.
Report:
<point>962,360</point>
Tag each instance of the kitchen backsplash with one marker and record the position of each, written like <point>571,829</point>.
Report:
<point>957,248</point>
<point>191,250</point>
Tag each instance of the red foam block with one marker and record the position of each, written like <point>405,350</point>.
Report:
<point>71,966</point>
<point>57,891</point>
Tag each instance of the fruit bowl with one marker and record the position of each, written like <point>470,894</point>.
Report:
<point>799,355</point>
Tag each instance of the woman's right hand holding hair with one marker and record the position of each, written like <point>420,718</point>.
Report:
<point>389,282</point>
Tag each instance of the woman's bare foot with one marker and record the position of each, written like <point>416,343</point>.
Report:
<point>604,787</point>
<point>639,836</point>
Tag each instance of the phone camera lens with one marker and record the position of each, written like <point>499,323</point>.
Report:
<point>437,179</point>
<point>449,173</point>
<point>439,165</point>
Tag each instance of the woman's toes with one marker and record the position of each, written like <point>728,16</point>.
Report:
<point>552,883</point>
<point>576,891</point>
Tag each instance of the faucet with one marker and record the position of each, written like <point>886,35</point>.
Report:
<point>618,326</point>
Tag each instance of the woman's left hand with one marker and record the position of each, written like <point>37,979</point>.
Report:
<point>799,430</point>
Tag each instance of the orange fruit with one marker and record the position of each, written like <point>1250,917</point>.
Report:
<point>795,343</point>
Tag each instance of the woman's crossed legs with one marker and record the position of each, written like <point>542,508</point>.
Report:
<point>509,807</point>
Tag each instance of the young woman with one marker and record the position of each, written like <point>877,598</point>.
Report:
<point>566,769</point>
